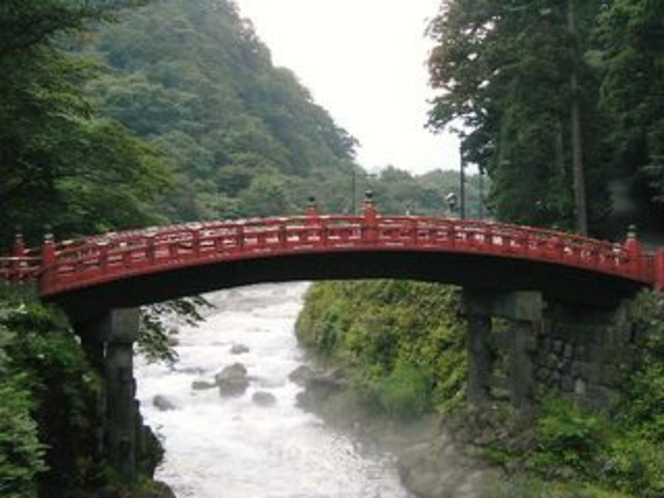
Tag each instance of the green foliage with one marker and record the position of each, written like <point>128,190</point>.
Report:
<point>642,410</point>
<point>597,454</point>
<point>568,438</point>
<point>58,158</point>
<point>402,341</point>
<point>630,48</point>
<point>535,488</point>
<point>156,333</point>
<point>404,393</point>
<point>21,452</point>
<point>635,465</point>
<point>505,72</point>
<point>239,134</point>
<point>51,395</point>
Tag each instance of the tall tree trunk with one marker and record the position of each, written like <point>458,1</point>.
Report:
<point>577,146</point>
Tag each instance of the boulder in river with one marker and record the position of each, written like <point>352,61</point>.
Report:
<point>440,469</point>
<point>239,349</point>
<point>163,403</point>
<point>263,398</point>
<point>200,385</point>
<point>321,385</point>
<point>232,380</point>
<point>301,375</point>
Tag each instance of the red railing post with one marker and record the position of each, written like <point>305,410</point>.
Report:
<point>239,238</point>
<point>48,250</point>
<point>18,253</point>
<point>659,270</point>
<point>311,212</point>
<point>282,235</point>
<point>102,250</point>
<point>48,259</point>
<point>634,251</point>
<point>18,249</point>
<point>312,219</point>
<point>413,231</point>
<point>196,242</point>
<point>150,249</point>
<point>369,230</point>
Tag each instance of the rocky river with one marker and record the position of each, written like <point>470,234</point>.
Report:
<point>250,438</point>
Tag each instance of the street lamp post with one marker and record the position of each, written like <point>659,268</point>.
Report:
<point>451,200</point>
<point>353,204</point>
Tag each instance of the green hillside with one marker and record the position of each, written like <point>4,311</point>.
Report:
<point>241,136</point>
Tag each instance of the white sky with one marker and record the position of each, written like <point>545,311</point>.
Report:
<point>365,62</point>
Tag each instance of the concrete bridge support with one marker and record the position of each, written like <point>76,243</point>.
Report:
<point>108,342</point>
<point>523,312</point>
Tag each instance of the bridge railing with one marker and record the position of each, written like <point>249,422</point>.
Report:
<point>505,240</point>
<point>97,259</point>
<point>20,269</point>
<point>24,265</point>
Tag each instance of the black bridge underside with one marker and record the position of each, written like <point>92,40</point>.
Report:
<point>556,282</point>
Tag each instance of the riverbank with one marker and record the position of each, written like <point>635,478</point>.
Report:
<point>432,462</point>
<point>397,348</point>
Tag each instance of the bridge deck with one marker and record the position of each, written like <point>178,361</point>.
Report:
<point>475,253</point>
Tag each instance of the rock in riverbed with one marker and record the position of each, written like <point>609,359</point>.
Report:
<point>200,385</point>
<point>319,385</point>
<point>232,380</point>
<point>263,398</point>
<point>162,403</point>
<point>239,349</point>
<point>301,375</point>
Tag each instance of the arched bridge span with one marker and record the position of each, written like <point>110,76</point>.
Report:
<point>125,269</point>
<point>98,280</point>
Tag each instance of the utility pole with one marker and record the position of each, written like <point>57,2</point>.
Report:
<point>480,208</point>
<point>462,187</point>
<point>353,182</point>
<point>577,145</point>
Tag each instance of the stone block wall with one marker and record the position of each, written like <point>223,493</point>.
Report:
<point>584,354</point>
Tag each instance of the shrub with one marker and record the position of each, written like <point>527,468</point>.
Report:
<point>404,393</point>
<point>635,465</point>
<point>21,453</point>
<point>568,437</point>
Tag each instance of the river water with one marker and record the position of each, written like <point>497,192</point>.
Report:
<point>232,448</point>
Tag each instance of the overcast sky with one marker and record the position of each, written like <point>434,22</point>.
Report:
<point>365,62</point>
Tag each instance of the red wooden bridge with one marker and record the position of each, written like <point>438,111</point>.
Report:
<point>141,266</point>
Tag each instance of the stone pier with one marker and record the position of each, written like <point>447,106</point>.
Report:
<point>541,349</point>
<point>108,341</point>
<point>523,312</point>
<point>586,354</point>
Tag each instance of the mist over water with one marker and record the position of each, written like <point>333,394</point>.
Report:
<point>232,448</point>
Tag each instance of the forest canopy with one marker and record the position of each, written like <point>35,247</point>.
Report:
<point>549,90</point>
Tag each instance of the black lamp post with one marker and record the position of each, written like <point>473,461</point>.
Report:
<point>353,205</point>
<point>452,202</point>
